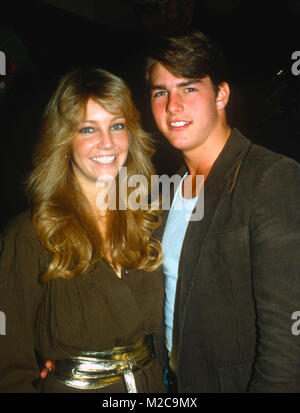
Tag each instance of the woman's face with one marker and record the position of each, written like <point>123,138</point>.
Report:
<point>99,146</point>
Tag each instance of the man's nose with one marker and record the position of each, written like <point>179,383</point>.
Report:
<point>174,104</point>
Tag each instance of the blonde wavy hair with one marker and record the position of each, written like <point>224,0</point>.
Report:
<point>64,220</point>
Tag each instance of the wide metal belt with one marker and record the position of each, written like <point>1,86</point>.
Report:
<point>94,370</point>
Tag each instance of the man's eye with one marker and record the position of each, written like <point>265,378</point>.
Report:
<point>190,89</point>
<point>118,126</point>
<point>160,93</point>
<point>87,130</point>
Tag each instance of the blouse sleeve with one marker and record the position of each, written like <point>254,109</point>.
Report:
<point>20,294</point>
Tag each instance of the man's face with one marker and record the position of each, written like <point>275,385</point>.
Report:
<point>186,111</point>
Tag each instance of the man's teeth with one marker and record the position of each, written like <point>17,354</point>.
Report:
<point>177,124</point>
<point>104,159</point>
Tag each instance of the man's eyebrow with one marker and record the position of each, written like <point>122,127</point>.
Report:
<point>181,84</point>
<point>189,82</point>
<point>156,87</point>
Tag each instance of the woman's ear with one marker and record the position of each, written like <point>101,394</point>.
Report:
<point>223,95</point>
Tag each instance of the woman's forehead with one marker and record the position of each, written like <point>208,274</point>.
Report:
<point>93,109</point>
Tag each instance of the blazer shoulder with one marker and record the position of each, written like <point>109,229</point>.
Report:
<point>261,159</point>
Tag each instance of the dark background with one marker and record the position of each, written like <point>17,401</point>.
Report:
<point>42,41</point>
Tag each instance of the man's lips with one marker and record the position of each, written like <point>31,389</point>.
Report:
<point>179,124</point>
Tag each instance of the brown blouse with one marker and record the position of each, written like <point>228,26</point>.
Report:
<point>92,312</point>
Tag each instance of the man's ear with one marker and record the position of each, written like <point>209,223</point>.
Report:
<point>223,95</point>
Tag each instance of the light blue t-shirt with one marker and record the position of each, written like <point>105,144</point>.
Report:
<point>177,222</point>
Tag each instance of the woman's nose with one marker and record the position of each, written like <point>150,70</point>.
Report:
<point>105,140</point>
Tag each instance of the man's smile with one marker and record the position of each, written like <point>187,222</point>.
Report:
<point>179,124</point>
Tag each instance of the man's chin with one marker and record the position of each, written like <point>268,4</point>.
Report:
<point>181,144</point>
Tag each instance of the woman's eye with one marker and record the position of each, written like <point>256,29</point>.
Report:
<point>87,130</point>
<point>118,126</point>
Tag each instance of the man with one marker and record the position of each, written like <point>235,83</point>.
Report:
<point>233,277</point>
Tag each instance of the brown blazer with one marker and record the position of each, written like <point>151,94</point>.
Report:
<point>239,277</point>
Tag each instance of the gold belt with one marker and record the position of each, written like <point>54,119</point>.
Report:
<point>94,370</point>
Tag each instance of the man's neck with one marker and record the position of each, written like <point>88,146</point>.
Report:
<point>201,159</point>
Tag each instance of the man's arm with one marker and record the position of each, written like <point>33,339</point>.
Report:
<point>275,254</point>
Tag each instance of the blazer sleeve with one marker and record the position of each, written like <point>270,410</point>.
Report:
<point>275,254</point>
<point>20,294</point>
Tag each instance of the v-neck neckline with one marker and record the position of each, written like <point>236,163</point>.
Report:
<point>123,271</point>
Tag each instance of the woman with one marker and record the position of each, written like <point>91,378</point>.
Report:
<point>79,282</point>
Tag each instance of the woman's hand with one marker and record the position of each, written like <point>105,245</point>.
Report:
<point>49,365</point>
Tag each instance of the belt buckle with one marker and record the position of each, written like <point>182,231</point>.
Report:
<point>126,370</point>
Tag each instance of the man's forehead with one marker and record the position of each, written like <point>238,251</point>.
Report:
<point>160,75</point>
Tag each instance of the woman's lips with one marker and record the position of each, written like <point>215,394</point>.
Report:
<point>104,160</point>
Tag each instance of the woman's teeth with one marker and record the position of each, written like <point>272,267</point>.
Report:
<point>104,159</point>
<point>178,124</point>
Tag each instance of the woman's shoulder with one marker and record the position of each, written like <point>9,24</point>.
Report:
<point>20,241</point>
<point>21,225</point>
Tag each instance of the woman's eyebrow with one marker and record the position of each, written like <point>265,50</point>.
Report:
<point>87,121</point>
<point>96,121</point>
